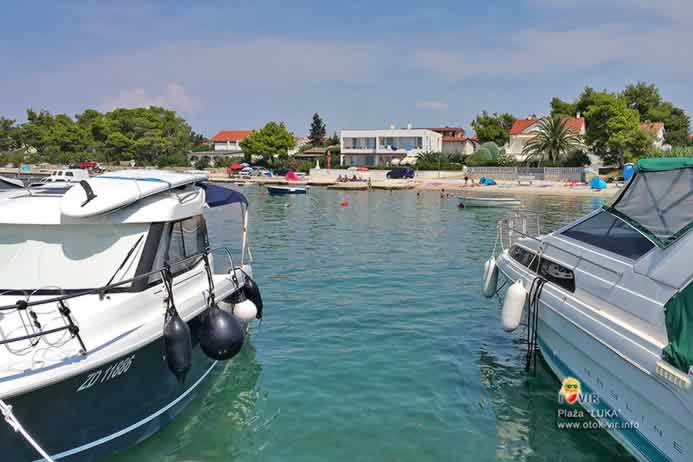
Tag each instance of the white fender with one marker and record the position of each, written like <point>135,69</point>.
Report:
<point>513,305</point>
<point>245,310</point>
<point>490,279</point>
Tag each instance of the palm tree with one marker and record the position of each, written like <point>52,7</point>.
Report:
<point>553,141</point>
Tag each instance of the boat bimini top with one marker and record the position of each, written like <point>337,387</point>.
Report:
<point>649,223</point>
<point>658,201</point>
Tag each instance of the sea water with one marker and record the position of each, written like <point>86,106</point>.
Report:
<point>376,343</point>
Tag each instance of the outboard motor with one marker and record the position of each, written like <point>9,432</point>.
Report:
<point>178,346</point>
<point>221,334</point>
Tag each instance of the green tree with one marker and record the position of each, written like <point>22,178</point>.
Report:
<point>643,98</point>
<point>317,131</point>
<point>560,108</point>
<point>9,135</point>
<point>272,142</point>
<point>613,129</point>
<point>554,141</point>
<point>118,147</point>
<point>493,127</point>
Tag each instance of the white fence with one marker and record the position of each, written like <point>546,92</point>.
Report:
<point>497,173</point>
<point>545,173</point>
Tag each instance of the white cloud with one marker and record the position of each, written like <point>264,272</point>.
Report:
<point>437,105</point>
<point>174,97</point>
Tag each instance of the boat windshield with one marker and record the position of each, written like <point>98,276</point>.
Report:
<point>658,201</point>
<point>67,257</point>
<point>608,232</point>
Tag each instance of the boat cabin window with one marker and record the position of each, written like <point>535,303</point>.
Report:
<point>53,258</point>
<point>549,270</point>
<point>69,174</point>
<point>608,232</point>
<point>179,240</point>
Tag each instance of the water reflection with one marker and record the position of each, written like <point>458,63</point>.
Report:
<point>526,414</point>
<point>220,425</point>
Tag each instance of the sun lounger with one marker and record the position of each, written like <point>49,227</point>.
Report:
<point>525,178</point>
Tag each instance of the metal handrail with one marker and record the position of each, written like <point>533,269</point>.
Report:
<point>105,288</point>
<point>543,244</point>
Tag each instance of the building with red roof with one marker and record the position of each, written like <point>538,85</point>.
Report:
<point>455,141</point>
<point>524,130</point>
<point>229,140</point>
<point>656,131</point>
<point>226,143</point>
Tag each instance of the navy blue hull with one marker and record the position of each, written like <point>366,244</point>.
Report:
<point>280,191</point>
<point>106,409</point>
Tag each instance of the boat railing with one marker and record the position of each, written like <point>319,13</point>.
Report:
<point>527,224</point>
<point>31,320</point>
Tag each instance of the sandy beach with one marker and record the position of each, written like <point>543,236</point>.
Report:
<point>511,188</point>
<point>505,188</point>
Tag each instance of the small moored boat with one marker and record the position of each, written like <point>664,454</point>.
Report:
<point>468,201</point>
<point>280,190</point>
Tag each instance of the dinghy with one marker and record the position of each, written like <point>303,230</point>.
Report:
<point>281,190</point>
<point>468,201</point>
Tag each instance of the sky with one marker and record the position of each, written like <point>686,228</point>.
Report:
<point>359,64</point>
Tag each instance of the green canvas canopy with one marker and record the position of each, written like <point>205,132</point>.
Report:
<point>658,200</point>
<point>659,164</point>
<point>679,323</point>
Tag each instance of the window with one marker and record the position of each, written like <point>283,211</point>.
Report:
<point>549,270</point>
<point>69,174</point>
<point>187,238</point>
<point>608,232</point>
<point>81,256</point>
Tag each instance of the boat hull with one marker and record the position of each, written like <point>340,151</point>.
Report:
<point>277,191</point>
<point>645,414</point>
<point>106,409</point>
<point>489,202</point>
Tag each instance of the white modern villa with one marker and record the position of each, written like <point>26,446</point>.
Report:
<point>381,147</point>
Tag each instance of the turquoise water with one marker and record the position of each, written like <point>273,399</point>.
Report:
<point>376,344</point>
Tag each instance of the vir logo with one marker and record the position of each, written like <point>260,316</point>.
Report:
<point>571,393</point>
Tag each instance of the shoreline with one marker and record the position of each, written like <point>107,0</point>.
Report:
<point>503,188</point>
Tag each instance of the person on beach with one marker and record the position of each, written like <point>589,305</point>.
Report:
<point>466,179</point>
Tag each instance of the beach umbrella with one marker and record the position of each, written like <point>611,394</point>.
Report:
<point>236,166</point>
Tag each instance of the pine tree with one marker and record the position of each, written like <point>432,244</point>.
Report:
<point>317,131</point>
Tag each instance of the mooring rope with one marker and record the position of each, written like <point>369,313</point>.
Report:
<point>16,425</point>
<point>533,322</point>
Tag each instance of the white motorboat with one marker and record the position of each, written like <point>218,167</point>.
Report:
<point>481,201</point>
<point>114,309</point>
<point>608,301</point>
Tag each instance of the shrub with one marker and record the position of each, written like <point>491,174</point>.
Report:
<point>202,164</point>
<point>482,156</point>
<point>504,159</point>
<point>492,148</point>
